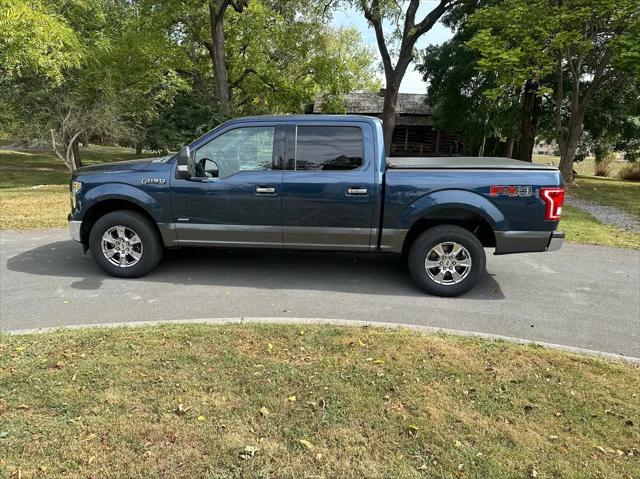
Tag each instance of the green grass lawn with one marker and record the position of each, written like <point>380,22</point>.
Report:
<point>581,227</point>
<point>34,186</point>
<point>290,401</point>
<point>609,191</point>
<point>583,168</point>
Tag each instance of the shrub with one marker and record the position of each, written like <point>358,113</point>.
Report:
<point>605,163</point>
<point>631,172</point>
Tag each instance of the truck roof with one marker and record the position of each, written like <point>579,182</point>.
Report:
<point>314,118</point>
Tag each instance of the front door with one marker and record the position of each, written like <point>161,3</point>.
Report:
<point>236,197</point>
<point>328,186</point>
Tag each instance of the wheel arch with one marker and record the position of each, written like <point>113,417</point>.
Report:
<point>108,205</point>
<point>468,219</point>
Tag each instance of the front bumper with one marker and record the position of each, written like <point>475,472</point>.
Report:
<point>508,242</point>
<point>74,230</point>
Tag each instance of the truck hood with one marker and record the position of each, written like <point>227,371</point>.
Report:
<point>117,167</point>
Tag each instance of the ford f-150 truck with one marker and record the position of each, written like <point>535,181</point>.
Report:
<point>317,182</point>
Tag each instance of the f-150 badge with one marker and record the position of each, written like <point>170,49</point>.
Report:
<point>512,191</point>
<point>153,181</point>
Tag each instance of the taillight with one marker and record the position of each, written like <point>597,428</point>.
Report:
<point>553,199</point>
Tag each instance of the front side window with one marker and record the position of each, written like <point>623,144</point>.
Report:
<point>329,148</point>
<point>240,149</point>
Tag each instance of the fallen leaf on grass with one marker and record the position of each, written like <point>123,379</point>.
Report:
<point>412,429</point>
<point>201,418</point>
<point>248,452</point>
<point>181,410</point>
<point>292,398</point>
<point>264,411</point>
<point>306,443</point>
<point>23,406</point>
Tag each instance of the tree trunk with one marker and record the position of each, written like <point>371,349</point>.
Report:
<point>389,115</point>
<point>84,139</point>
<point>507,151</point>
<point>138,149</point>
<point>220,75</point>
<point>529,121</point>
<point>75,148</point>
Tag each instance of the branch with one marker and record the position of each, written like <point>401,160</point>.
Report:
<point>599,78</point>
<point>238,5</point>
<point>327,6</point>
<point>373,15</point>
<point>70,155</point>
<point>240,79</point>
<point>559,98</point>
<point>434,15</point>
<point>55,150</point>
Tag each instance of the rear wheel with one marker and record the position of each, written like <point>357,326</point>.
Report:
<point>447,260</point>
<point>125,244</point>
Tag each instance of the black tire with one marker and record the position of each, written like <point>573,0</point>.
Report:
<point>472,248</point>
<point>150,251</point>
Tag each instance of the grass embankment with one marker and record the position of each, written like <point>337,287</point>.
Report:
<point>287,401</point>
<point>34,187</point>
<point>581,227</point>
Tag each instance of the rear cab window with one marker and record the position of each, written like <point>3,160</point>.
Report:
<point>328,148</point>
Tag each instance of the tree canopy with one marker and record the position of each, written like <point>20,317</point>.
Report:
<point>142,72</point>
<point>569,48</point>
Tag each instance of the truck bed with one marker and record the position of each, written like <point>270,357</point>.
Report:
<point>463,163</point>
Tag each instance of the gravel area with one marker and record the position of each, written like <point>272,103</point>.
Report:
<point>606,214</point>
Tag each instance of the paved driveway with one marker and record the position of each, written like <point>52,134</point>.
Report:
<point>580,296</point>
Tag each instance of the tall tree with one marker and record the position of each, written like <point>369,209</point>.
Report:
<point>216,45</point>
<point>571,48</point>
<point>405,36</point>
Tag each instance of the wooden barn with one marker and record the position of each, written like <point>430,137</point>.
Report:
<point>413,134</point>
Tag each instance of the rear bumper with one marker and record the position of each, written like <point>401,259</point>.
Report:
<point>508,242</point>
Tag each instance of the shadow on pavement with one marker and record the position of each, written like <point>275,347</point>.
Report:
<point>265,269</point>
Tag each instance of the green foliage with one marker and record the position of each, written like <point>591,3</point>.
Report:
<point>140,72</point>
<point>34,40</point>
<point>462,96</point>
<point>282,62</point>
<point>571,48</point>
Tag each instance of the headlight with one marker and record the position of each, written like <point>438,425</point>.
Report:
<point>75,186</point>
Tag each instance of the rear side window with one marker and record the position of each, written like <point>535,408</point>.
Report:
<point>329,148</point>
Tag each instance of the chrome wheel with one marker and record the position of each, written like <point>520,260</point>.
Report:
<point>121,246</point>
<point>448,263</point>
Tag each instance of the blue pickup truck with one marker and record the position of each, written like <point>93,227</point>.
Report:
<point>317,183</point>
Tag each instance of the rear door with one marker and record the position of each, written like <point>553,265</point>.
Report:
<point>328,186</point>
<point>238,199</point>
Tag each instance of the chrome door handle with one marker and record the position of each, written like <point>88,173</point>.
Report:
<point>357,191</point>
<point>265,190</point>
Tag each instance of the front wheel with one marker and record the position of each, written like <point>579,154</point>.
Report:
<point>447,260</point>
<point>125,244</point>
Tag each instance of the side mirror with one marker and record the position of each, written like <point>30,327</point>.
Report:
<point>186,167</point>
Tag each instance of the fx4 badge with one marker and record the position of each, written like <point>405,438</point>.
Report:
<point>511,191</point>
<point>153,181</point>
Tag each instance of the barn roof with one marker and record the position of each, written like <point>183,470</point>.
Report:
<point>371,103</point>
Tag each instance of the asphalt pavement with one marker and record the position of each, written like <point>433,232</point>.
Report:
<point>580,296</point>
